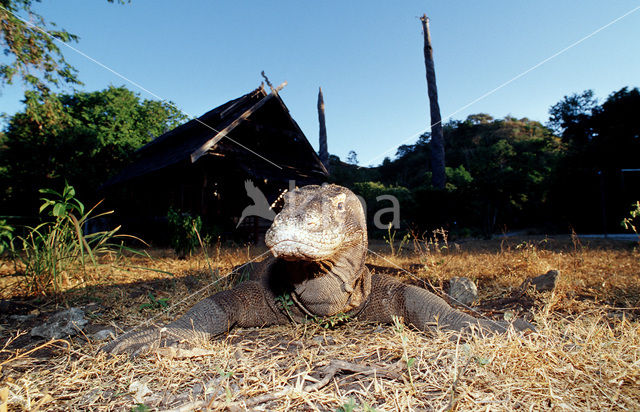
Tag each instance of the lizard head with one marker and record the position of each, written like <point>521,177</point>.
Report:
<point>316,223</point>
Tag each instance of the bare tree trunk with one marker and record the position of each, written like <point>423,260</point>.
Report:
<point>438,177</point>
<point>323,152</point>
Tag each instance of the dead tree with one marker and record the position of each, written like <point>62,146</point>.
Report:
<point>438,177</point>
<point>323,152</point>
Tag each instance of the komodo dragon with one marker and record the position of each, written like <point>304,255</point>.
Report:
<point>319,246</point>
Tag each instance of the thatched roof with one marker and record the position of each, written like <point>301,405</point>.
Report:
<point>256,130</point>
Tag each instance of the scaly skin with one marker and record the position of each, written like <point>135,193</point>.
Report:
<point>319,246</point>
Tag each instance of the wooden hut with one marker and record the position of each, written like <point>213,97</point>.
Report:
<point>201,167</point>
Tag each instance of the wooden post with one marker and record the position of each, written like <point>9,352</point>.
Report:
<point>323,152</point>
<point>438,177</point>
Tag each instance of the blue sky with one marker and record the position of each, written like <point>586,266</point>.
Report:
<point>367,56</point>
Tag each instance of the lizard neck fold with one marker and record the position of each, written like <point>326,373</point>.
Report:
<point>325,288</point>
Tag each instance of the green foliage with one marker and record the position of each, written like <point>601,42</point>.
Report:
<point>84,137</point>
<point>368,408</point>
<point>285,302</point>
<point>498,171</point>
<point>6,234</point>
<point>352,158</point>
<point>567,116</point>
<point>390,240</point>
<point>631,222</point>
<point>184,231</point>
<point>226,376</point>
<point>155,303</point>
<point>600,137</point>
<point>62,205</point>
<point>479,360</point>
<point>600,140</point>
<point>510,160</point>
<point>350,406</point>
<point>370,191</point>
<point>346,174</point>
<point>34,54</point>
<point>505,174</point>
<point>140,407</point>
<point>57,249</point>
<point>398,327</point>
<point>458,178</point>
<point>330,322</point>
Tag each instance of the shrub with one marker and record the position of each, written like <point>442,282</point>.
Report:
<point>184,231</point>
<point>57,249</point>
<point>632,221</point>
<point>370,191</point>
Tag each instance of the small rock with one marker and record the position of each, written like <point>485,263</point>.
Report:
<point>324,340</point>
<point>62,324</point>
<point>139,390</point>
<point>197,389</point>
<point>103,334</point>
<point>543,283</point>
<point>616,315</point>
<point>462,291</point>
<point>21,318</point>
<point>91,396</point>
<point>509,315</point>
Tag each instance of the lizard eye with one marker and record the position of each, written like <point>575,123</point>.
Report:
<point>340,206</point>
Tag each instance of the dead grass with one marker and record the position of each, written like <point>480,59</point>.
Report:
<point>585,354</point>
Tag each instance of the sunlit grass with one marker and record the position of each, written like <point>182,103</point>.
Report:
<point>585,354</point>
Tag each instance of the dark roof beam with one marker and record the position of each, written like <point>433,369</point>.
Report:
<point>202,150</point>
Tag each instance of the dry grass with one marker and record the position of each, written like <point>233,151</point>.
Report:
<point>585,354</point>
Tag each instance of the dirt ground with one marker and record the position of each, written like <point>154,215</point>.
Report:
<point>584,355</point>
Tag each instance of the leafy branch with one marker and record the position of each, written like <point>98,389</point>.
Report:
<point>32,43</point>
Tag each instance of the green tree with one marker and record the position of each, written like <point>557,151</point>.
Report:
<point>567,117</point>
<point>83,137</point>
<point>602,140</point>
<point>370,191</point>
<point>352,157</point>
<point>511,161</point>
<point>346,174</point>
<point>600,136</point>
<point>32,50</point>
<point>499,172</point>
<point>615,127</point>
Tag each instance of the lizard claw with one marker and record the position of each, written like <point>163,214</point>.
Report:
<point>139,342</point>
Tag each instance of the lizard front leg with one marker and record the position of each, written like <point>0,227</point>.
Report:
<point>246,305</point>
<point>423,309</point>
